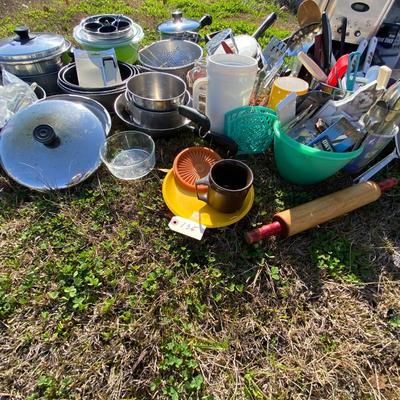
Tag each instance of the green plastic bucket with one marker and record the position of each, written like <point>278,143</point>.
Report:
<point>305,165</point>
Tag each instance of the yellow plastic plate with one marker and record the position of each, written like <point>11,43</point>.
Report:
<point>185,204</point>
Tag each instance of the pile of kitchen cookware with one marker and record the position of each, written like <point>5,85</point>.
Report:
<point>321,97</point>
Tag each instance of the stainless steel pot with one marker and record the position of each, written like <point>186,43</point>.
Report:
<point>156,124</point>
<point>35,57</point>
<point>176,57</point>
<point>156,91</point>
<point>183,28</point>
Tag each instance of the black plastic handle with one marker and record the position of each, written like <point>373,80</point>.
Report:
<point>205,20</point>
<point>327,40</point>
<point>22,32</point>
<point>265,25</point>
<point>195,116</point>
<point>222,141</point>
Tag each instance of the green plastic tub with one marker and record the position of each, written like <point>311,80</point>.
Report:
<point>305,165</point>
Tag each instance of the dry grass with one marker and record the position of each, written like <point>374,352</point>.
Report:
<point>100,300</point>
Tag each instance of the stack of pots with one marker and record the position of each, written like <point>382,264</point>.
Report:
<point>68,83</point>
<point>150,103</point>
<point>110,31</point>
<point>35,57</point>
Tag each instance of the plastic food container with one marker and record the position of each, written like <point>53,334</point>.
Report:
<point>305,165</point>
<point>110,31</point>
<point>129,155</point>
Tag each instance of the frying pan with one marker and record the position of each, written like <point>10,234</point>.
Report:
<point>381,164</point>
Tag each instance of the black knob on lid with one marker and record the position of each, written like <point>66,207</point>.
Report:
<point>22,32</point>
<point>45,134</point>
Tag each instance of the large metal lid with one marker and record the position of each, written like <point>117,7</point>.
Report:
<point>178,24</point>
<point>107,29</point>
<point>52,144</point>
<point>28,47</point>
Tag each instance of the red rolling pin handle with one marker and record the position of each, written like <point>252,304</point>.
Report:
<point>278,228</point>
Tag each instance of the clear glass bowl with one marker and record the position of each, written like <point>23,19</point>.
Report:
<point>129,155</point>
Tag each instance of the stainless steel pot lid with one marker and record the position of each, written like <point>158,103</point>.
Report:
<point>53,144</point>
<point>31,46</point>
<point>106,28</point>
<point>179,24</point>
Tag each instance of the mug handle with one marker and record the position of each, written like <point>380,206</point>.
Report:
<point>206,182</point>
<point>198,85</point>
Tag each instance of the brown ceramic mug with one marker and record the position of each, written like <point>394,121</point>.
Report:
<point>228,183</point>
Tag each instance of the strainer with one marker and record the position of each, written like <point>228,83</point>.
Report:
<point>251,127</point>
<point>172,56</point>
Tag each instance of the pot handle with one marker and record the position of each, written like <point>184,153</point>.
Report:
<point>198,85</point>
<point>205,20</point>
<point>222,141</point>
<point>195,116</point>
<point>205,182</point>
<point>265,25</point>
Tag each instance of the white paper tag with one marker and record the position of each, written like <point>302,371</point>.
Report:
<point>187,227</point>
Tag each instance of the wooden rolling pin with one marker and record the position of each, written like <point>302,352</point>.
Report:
<point>306,216</point>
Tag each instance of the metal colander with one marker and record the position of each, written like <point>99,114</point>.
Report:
<point>173,56</point>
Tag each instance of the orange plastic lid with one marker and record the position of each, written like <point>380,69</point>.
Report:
<point>193,163</point>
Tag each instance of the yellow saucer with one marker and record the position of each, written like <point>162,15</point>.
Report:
<point>185,204</point>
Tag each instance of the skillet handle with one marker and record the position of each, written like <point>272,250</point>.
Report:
<point>222,141</point>
<point>265,25</point>
<point>195,116</point>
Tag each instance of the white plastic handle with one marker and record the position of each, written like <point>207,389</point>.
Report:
<point>199,85</point>
<point>384,75</point>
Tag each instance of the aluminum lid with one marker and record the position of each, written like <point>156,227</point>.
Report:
<point>108,29</point>
<point>52,144</point>
<point>30,47</point>
<point>178,24</point>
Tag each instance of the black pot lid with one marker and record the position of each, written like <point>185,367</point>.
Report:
<point>31,46</point>
<point>178,24</point>
<point>53,144</point>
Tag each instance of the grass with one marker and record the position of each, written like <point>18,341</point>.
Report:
<point>100,300</point>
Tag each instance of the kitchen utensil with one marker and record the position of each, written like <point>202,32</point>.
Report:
<point>315,71</point>
<point>302,39</point>
<point>316,99</point>
<point>129,155</point>
<point>305,165</point>
<point>283,86</point>
<point>338,70</point>
<point>373,145</point>
<point>343,32</point>
<point>193,163</point>
<point>216,40</point>
<point>273,52</point>
<point>308,12</point>
<point>370,54</point>
<point>203,125</point>
<point>384,74</point>
<point>185,204</point>
<point>362,46</point>
<point>229,85</point>
<point>392,96</point>
<point>35,57</point>
<point>247,45</point>
<point>53,144</point>
<point>381,164</point>
<point>353,106</point>
<point>335,92</point>
<point>251,127</point>
<point>183,28</point>
<point>352,69</point>
<point>154,123</point>
<point>68,83</point>
<point>110,31</point>
<point>363,18</point>
<point>228,184</point>
<point>156,91</point>
<point>97,69</point>
<point>306,216</point>
<point>176,57</point>
<point>327,41</point>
